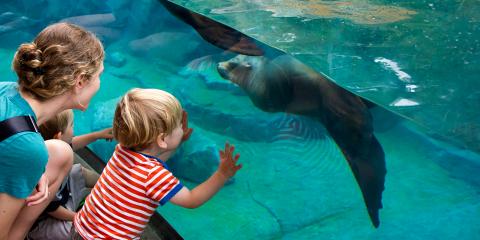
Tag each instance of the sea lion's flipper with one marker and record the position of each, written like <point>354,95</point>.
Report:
<point>215,33</point>
<point>353,134</point>
<point>370,174</point>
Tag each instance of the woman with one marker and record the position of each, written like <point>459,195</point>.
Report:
<point>59,70</point>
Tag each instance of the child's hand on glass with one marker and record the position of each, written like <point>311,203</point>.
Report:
<point>228,163</point>
<point>105,134</point>
<point>186,131</point>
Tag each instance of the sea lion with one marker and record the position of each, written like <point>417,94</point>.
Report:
<point>284,84</point>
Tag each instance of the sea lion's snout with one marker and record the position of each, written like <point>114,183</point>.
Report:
<point>223,69</point>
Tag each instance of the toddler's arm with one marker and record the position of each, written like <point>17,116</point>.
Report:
<point>83,140</point>
<point>203,192</point>
<point>63,214</point>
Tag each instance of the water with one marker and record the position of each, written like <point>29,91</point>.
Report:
<point>425,53</point>
<point>295,183</point>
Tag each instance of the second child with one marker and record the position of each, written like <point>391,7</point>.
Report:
<point>56,221</point>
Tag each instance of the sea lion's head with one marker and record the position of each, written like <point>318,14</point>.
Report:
<point>240,69</point>
<point>265,82</point>
<point>247,73</point>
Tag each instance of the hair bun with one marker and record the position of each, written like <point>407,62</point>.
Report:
<point>29,57</point>
<point>49,66</point>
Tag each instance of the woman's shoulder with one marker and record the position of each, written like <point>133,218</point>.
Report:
<point>7,88</point>
<point>29,147</point>
<point>12,103</point>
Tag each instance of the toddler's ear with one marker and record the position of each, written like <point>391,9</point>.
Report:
<point>161,141</point>
<point>58,136</point>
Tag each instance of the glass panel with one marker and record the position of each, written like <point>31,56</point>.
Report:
<point>419,59</point>
<point>296,182</point>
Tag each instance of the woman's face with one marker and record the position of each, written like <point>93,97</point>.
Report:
<point>86,93</point>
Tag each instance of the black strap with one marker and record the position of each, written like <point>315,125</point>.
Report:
<point>14,125</point>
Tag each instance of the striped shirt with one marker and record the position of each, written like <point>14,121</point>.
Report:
<point>131,187</point>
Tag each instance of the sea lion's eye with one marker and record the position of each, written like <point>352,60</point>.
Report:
<point>232,65</point>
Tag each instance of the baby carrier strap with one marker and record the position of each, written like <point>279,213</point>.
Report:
<point>14,125</point>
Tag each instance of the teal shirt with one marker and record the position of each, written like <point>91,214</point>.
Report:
<point>23,156</point>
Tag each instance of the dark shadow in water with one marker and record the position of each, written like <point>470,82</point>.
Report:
<point>215,33</point>
<point>284,84</point>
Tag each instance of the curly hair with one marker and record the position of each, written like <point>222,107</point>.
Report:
<point>50,65</point>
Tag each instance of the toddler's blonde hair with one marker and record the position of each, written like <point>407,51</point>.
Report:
<point>57,124</point>
<point>143,114</point>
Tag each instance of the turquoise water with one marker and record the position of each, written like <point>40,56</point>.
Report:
<point>295,183</point>
<point>419,59</point>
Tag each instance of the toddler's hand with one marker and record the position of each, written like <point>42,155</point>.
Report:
<point>228,163</point>
<point>105,134</point>
<point>186,131</point>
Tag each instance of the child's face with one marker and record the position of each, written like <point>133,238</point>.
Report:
<point>173,139</point>
<point>67,134</point>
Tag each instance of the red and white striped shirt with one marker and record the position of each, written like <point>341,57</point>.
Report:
<point>131,187</point>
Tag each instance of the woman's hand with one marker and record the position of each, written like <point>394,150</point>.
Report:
<point>186,131</point>
<point>41,192</point>
<point>228,163</point>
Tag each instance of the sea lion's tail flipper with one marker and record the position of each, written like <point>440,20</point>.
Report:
<point>214,32</point>
<point>370,173</point>
<point>354,136</point>
<point>368,166</point>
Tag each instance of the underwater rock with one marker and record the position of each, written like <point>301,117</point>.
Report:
<point>116,59</point>
<point>317,182</point>
<point>253,127</point>
<point>284,84</point>
<point>159,45</point>
<point>51,11</point>
<point>133,77</point>
<point>106,34</point>
<point>460,163</point>
<point>99,24</point>
<point>91,20</point>
<point>137,18</point>
<point>196,160</point>
<point>7,17</point>
<point>15,29</point>
<point>101,118</point>
<point>15,23</point>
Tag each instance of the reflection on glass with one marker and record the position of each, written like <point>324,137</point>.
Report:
<point>216,33</point>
